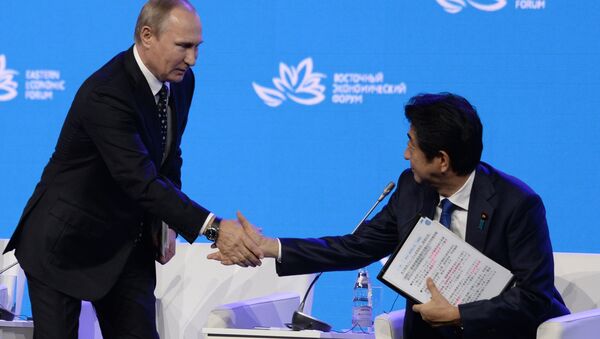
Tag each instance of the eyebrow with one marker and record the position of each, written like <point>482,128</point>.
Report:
<point>188,44</point>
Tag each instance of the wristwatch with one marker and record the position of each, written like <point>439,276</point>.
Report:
<point>212,231</point>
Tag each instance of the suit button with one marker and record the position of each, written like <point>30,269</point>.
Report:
<point>138,238</point>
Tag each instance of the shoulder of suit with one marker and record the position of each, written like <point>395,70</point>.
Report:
<point>504,183</point>
<point>114,78</point>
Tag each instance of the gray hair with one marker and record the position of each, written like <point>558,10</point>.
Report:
<point>154,14</point>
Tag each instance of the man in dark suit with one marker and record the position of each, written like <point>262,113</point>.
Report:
<point>496,213</point>
<point>89,232</point>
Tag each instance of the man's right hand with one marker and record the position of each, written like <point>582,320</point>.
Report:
<point>269,247</point>
<point>236,246</point>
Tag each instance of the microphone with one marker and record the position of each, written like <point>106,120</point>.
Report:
<point>302,321</point>
<point>388,188</point>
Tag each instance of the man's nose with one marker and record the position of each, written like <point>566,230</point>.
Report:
<point>190,56</point>
<point>406,154</point>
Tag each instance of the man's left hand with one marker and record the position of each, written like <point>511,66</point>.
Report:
<point>438,311</point>
<point>170,252</point>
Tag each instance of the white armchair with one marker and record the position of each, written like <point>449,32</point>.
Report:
<point>12,287</point>
<point>13,280</point>
<point>190,287</point>
<point>577,277</point>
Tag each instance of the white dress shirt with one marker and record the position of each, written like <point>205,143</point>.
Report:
<point>460,198</point>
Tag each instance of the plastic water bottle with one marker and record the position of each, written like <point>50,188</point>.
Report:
<point>362,308</point>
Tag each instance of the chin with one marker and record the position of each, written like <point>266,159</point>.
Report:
<point>176,78</point>
<point>418,179</point>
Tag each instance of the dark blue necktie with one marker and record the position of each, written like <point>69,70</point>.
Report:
<point>162,116</point>
<point>447,209</point>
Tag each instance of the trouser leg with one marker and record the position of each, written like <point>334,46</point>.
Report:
<point>55,314</point>
<point>128,310</point>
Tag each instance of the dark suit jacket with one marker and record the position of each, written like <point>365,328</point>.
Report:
<point>515,235</point>
<point>104,184</point>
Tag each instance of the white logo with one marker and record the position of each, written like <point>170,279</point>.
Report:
<point>299,84</point>
<point>455,6</point>
<point>8,87</point>
<point>530,4</point>
<point>302,85</point>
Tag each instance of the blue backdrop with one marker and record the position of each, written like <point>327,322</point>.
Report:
<point>298,118</point>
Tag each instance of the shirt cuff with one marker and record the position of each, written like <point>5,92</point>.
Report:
<point>207,222</point>
<point>279,251</point>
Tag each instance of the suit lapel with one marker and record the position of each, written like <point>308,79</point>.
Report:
<point>146,107</point>
<point>481,211</point>
<point>149,114</point>
<point>174,120</point>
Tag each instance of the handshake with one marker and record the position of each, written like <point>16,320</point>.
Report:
<point>241,243</point>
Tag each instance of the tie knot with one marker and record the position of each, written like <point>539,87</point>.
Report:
<point>447,206</point>
<point>162,94</point>
<point>446,216</point>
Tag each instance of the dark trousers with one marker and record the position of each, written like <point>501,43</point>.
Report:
<point>416,328</point>
<point>127,311</point>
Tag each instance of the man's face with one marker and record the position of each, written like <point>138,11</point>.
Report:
<point>424,170</point>
<point>170,54</point>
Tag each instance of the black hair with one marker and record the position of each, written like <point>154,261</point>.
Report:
<point>447,122</point>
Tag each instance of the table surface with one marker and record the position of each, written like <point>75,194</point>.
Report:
<point>222,333</point>
<point>16,323</point>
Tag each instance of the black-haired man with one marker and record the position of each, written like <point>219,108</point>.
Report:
<point>444,149</point>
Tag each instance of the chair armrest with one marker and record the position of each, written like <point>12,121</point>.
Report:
<point>274,310</point>
<point>4,298</point>
<point>390,325</point>
<point>585,324</point>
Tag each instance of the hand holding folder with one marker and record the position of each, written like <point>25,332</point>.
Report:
<point>460,272</point>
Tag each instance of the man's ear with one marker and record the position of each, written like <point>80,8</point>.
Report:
<point>146,36</point>
<point>444,162</point>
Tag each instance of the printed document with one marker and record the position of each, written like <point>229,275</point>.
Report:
<point>461,273</point>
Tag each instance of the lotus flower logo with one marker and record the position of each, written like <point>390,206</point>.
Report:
<point>455,6</point>
<point>8,87</point>
<point>299,84</point>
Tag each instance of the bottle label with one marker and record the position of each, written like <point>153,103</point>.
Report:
<point>362,316</point>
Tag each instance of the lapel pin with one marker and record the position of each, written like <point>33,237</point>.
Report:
<point>482,221</point>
